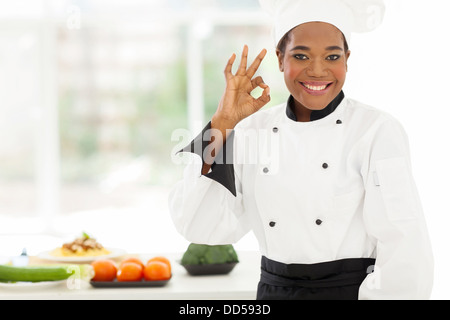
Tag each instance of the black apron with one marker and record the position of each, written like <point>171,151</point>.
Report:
<point>334,280</point>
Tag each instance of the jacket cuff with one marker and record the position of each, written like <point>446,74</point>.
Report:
<point>222,170</point>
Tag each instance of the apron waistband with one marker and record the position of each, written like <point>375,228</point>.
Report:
<point>337,273</point>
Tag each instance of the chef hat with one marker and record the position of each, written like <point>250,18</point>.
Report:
<point>347,15</point>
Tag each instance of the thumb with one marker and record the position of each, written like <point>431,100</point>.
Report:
<point>264,98</point>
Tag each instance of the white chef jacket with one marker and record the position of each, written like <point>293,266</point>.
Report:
<point>334,188</point>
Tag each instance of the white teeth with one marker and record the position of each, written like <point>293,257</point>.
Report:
<point>314,88</point>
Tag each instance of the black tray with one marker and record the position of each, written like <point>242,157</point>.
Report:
<point>128,284</point>
<point>209,269</point>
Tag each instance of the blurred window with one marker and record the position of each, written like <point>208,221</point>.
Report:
<point>91,94</point>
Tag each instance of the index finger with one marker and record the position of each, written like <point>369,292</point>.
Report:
<point>255,65</point>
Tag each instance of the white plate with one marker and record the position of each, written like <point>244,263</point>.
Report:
<point>114,253</point>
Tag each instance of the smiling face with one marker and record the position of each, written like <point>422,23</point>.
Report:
<point>314,61</point>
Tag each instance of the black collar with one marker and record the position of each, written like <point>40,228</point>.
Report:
<point>315,114</point>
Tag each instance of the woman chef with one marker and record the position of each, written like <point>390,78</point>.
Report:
<point>323,181</point>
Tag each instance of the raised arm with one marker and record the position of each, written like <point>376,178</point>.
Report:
<point>237,103</point>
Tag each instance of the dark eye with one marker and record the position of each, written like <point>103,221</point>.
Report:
<point>333,57</point>
<point>300,57</point>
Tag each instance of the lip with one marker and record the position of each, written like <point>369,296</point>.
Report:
<point>329,84</point>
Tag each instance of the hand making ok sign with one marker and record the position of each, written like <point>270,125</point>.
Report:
<point>237,103</point>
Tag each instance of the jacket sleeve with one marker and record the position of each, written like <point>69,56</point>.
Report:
<point>394,219</point>
<point>209,209</point>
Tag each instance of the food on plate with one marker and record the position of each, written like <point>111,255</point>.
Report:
<point>84,246</point>
<point>43,273</point>
<point>156,271</point>
<point>202,254</point>
<point>130,271</point>
<point>105,270</point>
<point>161,259</point>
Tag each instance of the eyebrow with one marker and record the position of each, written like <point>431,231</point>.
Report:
<point>304,48</point>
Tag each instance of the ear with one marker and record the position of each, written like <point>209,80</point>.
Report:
<point>280,56</point>
<point>347,56</point>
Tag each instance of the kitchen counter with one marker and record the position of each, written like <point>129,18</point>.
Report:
<point>239,284</point>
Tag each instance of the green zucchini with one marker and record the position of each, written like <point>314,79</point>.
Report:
<point>34,273</point>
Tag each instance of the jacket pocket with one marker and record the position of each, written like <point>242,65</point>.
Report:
<point>345,207</point>
<point>397,188</point>
<point>348,202</point>
<point>343,216</point>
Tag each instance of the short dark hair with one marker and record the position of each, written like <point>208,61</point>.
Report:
<point>287,37</point>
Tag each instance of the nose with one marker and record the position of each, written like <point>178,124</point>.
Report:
<point>317,69</point>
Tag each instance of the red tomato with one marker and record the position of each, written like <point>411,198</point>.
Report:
<point>156,270</point>
<point>161,259</point>
<point>130,271</point>
<point>105,270</point>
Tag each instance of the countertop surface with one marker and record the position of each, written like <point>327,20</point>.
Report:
<point>239,284</point>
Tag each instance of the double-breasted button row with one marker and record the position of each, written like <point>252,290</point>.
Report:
<point>325,165</point>
<point>272,224</point>
<point>275,129</point>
